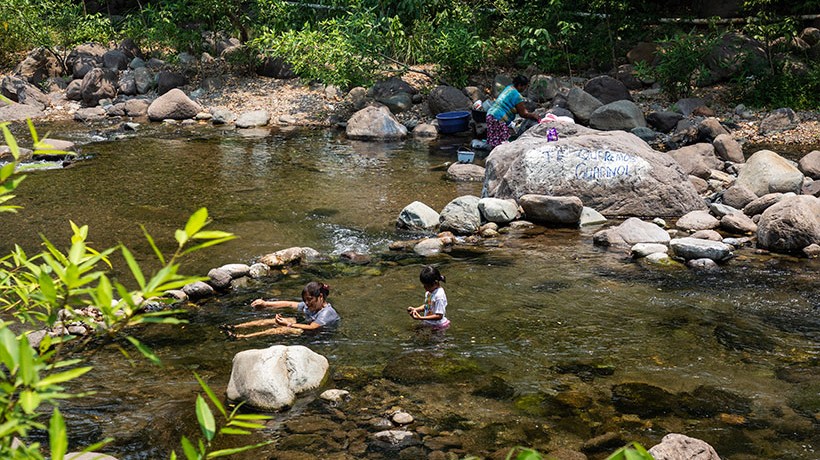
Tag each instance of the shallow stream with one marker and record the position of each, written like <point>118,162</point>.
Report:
<point>553,342</point>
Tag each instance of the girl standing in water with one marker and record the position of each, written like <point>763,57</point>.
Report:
<point>432,311</point>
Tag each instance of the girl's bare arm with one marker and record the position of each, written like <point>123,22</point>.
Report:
<point>261,303</point>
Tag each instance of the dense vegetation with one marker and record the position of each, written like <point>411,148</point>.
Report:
<point>354,42</point>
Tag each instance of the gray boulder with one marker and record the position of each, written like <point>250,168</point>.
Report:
<point>738,223</point>
<point>710,128</point>
<point>758,205</point>
<point>198,290</point>
<point>767,172</point>
<point>607,89</point>
<point>631,232</point>
<point>810,164</point>
<point>696,248</point>
<point>115,60</point>
<point>461,216</point>
<point>644,249</point>
<point>624,115</point>
<point>465,172</point>
<point>137,107</point>
<point>582,104</point>
<point>144,79</point>
<point>779,120</point>
<point>222,115</point>
<point>428,247</point>
<point>398,102</point>
<point>390,87</point>
<point>445,98</point>
<point>38,66</point>
<point>552,210</point>
<point>790,225</point>
<point>425,130</point>
<point>173,105</point>
<point>98,84</point>
<point>85,57</point>
<point>127,84</point>
<point>270,379</point>
<point>688,105</point>
<point>498,210</point>
<point>73,91</point>
<point>543,88</point>
<point>275,67</point>
<point>738,196</point>
<point>88,114</point>
<point>613,172</point>
<point>697,220</point>
<point>253,119</point>
<point>375,123</point>
<point>664,121</point>
<point>676,446</point>
<point>166,81</point>
<point>697,160</point>
<point>590,216</point>
<point>728,149</point>
<point>418,216</point>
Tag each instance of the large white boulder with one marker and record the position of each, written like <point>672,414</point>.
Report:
<point>614,172</point>
<point>375,123</point>
<point>270,379</point>
<point>767,172</point>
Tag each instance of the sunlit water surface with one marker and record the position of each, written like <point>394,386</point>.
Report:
<point>558,322</point>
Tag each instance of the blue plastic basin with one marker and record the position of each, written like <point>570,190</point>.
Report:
<point>453,122</point>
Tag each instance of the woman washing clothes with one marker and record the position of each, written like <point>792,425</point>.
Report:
<point>506,106</point>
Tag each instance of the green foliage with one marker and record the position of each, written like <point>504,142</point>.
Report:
<point>797,90</point>
<point>55,25</point>
<point>681,63</point>
<point>457,46</point>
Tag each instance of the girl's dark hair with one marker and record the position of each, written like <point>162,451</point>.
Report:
<point>315,289</point>
<point>430,275</point>
<point>521,80</point>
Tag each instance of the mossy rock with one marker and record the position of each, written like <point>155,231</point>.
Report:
<point>806,400</point>
<point>495,388</point>
<point>742,337</point>
<point>643,399</point>
<point>545,405</point>
<point>587,372</point>
<point>427,367</point>
<point>709,401</point>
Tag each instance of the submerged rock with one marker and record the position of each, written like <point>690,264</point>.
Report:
<point>424,367</point>
<point>676,446</point>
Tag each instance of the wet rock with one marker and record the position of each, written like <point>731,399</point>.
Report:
<point>425,130</point>
<point>253,119</point>
<point>447,99</point>
<point>173,105</point>
<point>697,220</point>
<point>643,400</point>
<point>311,424</point>
<point>552,210</point>
<point>461,216</point>
<point>790,225</point>
<point>375,123</point>
<point>219,278</point>
<point>703,265</point>
<point>418,216</point>
<point>742,337</point>
<point>287,256</point>
<point>676,446</point>
<point>259,270</point>
<point>767,172</point>
<point>738,223</point>
<point>812,251</point>
<point>270,379</point>
<point>236,270</point>
<point>136,107</point>
<point>198,290</point>
<point>460,172</point>
<point>605,442</point>
<point>659,258</point>
<point>424,367</point>
<point>587,372</point>
<point>495,388</point>
<point>707,402</point>
<point>695,248</point>
<point>393,440</point>
<point>781,119</point>
<point>619,115</point>
<point>402,418</point>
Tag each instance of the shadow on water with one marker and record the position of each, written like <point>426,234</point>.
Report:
<point>553,340</point>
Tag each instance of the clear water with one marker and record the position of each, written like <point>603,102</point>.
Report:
<point>543,311</point>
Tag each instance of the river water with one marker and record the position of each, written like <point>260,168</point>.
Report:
<point>553,341</point>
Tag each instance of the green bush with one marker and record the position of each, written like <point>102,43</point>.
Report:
<point>799,90</point>
<point>681,63</point>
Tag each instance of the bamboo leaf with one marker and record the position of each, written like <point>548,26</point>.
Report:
<point>47,288</point>
<point>150,239</point>
<point>145,350</point>
<point>189,449</point>
<point>58,438</point>
<point>181,237</point>
<point>134,266</point>
<point>230,431</point>
<point>29,401</point>
<point>217,403</point>
<point>211,234</point>
<point>197,220</point>
<point>226,452</point>
<point>62,377</point>
<point>253,426</point>
<point>205,418</point>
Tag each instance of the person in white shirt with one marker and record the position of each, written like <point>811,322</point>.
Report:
<point>432,312</point>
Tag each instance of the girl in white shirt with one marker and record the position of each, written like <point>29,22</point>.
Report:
<point>432,312</point>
